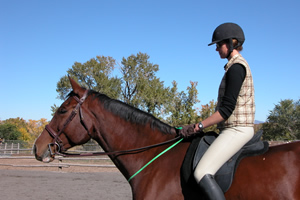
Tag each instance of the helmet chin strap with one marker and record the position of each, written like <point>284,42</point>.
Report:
<point>230,49</point>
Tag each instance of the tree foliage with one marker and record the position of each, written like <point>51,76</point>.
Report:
<point>182,105</point>
<point>94,74</point>
<point>19,129</point>
<point>138,86</point>
<point>206,111</point>
<point>141,88</point>
<point>12,129</point>
<point>35,128</point>
<point>283,123</point>
<point>9,131</point>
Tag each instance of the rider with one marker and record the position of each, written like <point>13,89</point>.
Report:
<point>234,112</point>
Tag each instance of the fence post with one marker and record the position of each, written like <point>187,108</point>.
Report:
<point>59,164</point>
<point>11,147</point>
<point>5,146</point>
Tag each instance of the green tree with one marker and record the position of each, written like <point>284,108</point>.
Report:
<point>53,109</point>
<point>19,129</point>
<point>9,131</point>
<point>95,74</point>
<point>283,123</point>
<point>175,106</point>
<point>182,105</point>
<point>15,128</point>
<point>19,122</point>
<point>190,114</point>
<point>141,88</point>
<point>206,111</point>
<point>138,87</point>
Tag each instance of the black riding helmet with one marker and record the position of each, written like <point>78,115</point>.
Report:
<point>228,31</point>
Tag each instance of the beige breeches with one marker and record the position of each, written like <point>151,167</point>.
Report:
<point>229,142</point>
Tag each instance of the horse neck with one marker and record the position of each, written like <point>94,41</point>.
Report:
<point>120,134</point>
<point>117,134</point>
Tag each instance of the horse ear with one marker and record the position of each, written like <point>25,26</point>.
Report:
<point>77,89</point>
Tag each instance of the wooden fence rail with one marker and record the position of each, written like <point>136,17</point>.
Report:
<point>15,150</point>
<point>62,162</point>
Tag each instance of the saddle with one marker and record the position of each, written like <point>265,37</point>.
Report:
<point>225,175</point>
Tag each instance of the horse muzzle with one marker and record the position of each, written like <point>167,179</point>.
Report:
<point>46,157</point>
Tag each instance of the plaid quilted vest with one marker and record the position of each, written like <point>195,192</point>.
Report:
<point>244,112</point>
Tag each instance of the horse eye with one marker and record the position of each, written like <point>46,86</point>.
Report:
<point>62,110</point>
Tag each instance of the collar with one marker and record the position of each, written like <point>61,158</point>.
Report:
<point>226,67</point>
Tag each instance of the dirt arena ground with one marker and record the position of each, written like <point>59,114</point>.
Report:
<point>20,182</point>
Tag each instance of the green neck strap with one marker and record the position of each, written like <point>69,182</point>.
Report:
<point>170,147</point>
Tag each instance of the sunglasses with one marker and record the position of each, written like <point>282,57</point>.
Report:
<point>219,44</point>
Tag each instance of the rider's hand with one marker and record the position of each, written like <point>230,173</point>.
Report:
<point>187,131</point>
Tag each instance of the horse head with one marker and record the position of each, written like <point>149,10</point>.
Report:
<point>71,125</point>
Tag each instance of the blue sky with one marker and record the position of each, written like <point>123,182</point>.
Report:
<point>41,40</point>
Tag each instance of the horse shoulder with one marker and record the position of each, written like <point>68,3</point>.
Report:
<point>161,179</point>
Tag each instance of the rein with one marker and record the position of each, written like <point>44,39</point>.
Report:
<point>154,159</point>
<point>59,143</point>
<point>117,152</point>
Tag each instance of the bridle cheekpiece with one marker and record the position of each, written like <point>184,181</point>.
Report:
<point>56,139</point>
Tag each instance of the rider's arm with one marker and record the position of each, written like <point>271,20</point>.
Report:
<point>234,79</point>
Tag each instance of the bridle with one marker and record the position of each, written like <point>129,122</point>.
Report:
<point>56,139</point>
<point>60,150</point>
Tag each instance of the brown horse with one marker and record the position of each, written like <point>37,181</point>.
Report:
<point>117,127</point>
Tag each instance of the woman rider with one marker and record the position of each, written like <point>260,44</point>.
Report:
<point>234,112</point>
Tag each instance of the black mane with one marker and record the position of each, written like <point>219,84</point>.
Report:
<point>130,113</point>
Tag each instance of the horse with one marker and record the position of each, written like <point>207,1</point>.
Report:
<point>125,132</point>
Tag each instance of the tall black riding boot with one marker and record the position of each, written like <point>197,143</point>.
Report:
<point>211,188</point>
